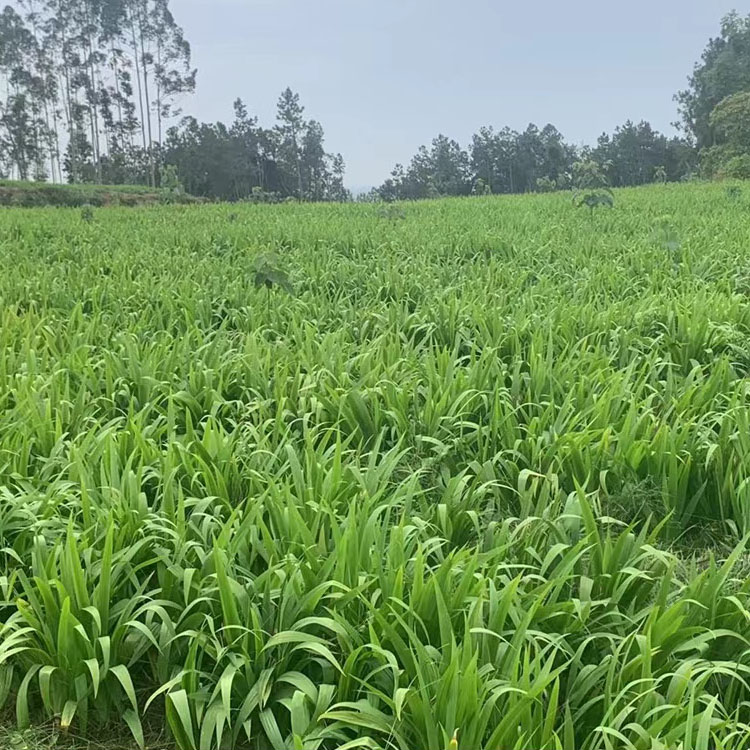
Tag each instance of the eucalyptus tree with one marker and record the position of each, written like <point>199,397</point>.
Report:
<point>173,73</point>
<point>22,124</point>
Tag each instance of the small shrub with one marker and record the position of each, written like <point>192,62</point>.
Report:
<point>546,185</point>
<point>481,188</point>
<point>589,175</point>
<point>593,199</point>
<point>258,195</point>
<point>591,186</point>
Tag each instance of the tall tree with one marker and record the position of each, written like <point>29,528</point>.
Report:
<point>291,123</point>
<point>724,70</point>
<point>730,156</point>
<point>172,71</point>
<point>313,162</point>
<point>24,133</point>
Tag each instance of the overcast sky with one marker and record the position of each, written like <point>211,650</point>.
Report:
<point>385,76</point>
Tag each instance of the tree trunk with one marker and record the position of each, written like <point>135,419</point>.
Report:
<point>93,112</point>
<point>158,86</point>
<point>147,102</point>
<point>74,174</point>
<point>116,73</point>
<point>138,80</point>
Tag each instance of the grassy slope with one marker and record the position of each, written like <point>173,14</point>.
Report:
<point>418,468</point>
<point>31,194</point>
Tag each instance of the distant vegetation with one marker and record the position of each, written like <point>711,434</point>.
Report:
<point>29,194</point>
<point>715,141</point>
<point>90,92</point>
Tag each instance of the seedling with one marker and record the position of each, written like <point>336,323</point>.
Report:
<point>269,274</point>
<point>665,235</point>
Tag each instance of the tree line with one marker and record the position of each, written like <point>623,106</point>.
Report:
<point>246,160</point>
<point>507,161</point>
<point>714,141</point>
<point>90,89</point>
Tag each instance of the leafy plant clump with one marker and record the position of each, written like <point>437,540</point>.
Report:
<point>269,274</point>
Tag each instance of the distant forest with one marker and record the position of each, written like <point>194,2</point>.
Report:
<point>90,91</point>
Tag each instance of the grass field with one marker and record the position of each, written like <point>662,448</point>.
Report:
<point>482,481</point>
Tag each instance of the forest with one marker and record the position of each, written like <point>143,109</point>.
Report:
<point>93,91</point>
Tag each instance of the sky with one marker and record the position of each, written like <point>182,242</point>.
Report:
<point>385,76</point>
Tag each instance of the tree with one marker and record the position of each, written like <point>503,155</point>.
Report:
<point>290,127</point>
<point>313,162</point>
<point>172,72</point>
<point>336,189</point>
<point>482,158</point>
<point>23,130</point>
<point>724,70</point>
<point>247,161</point>
<point>449,167</point>
<point>634,152</point>
<point>442,169</point>
<point>730,121</point>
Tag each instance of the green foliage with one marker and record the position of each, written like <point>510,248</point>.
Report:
<point>481,187</point>
<point>591,188</point>
<point>32,194</point>
<point>482,483</point>
<point>735,168</point>
<point>593,199</point>
<point>729,156</point>
<point>170,180</point>
<point>87,213</point>
<point>730,119</point>
<point>734,192</point>
<point>269,274</point>
<point>546,185</point>
<point>589,175</point>
<point>724,70</point>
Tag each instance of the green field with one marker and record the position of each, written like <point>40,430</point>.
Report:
<point>486,470</point>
